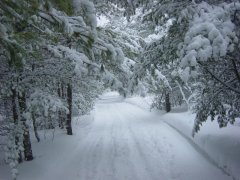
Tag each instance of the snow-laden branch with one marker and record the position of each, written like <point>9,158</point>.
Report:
<point>219,80</point>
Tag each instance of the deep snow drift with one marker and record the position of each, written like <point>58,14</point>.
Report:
<point>118,141</point>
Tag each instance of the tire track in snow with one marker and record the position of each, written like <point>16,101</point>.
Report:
<point>123,145</point>
<point>143,144</point>
<point>94,151</point>
<point>146,142</point>
<point>111,148</point>
<point>147,165</point>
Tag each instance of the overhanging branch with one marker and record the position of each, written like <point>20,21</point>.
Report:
<point>219,80</point>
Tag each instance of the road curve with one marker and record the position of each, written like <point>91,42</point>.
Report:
<point>128,143</point>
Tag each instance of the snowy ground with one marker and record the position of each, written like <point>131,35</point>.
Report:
<point>221,146</point>
<point>119,141</point>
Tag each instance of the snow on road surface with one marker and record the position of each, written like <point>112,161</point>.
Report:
<point>124,142</point>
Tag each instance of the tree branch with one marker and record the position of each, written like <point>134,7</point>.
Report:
<point>219,80</point>
<point>235,69</point>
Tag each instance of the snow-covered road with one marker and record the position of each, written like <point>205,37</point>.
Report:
<point>127,143</point>
<point>124,142</point>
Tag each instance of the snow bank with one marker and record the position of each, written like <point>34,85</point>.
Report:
<point>141,102</point>
<point>221,145</point>
<point>51,152</point>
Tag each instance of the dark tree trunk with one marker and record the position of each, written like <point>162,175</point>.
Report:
<point>167,102</point>
<point>35,128</point>
<point>15,120</point>
<point>60,114</point>
<point>33,116</point>
<point>62,89</point>
<point>26,136</point>
<point>14,106</point>
<point>69,115</point>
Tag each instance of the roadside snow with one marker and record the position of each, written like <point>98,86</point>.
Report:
<point>54,149</point>
<point>141,102</point>
<point>120,140</point>
<point>222,145</point>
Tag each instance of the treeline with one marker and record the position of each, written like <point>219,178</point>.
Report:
<point>54,64</point>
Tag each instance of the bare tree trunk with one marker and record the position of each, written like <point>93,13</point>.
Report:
<point>26,136</point>
<point>69,115</point>
<point>60,114</point>
<point>14,106</point>
<point>63,92</point>
<point>15,120</point>
<point>167,102</point>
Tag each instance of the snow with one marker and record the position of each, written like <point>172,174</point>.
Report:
<point>89,11</point>
<point>161,77</point>
<point>128,64</point>
<point>120,139</point>
<point>185,74</point>
<point>159,32</point>
<point>210,34</point>
<point>221,146</point>
<point>72,57</point>
<point>141,102</point>
<point>41,101</point>
<point>153,37</point>
<point>102,21</point>
<point>3,31</point>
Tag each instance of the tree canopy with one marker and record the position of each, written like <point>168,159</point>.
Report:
<point>56,60</point>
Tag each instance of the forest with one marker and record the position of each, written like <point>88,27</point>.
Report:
<point>64,61</point>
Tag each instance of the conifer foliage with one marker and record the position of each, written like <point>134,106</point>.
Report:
<point>55,61</point>
<point>52,58</point>
<point>198,56</point>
